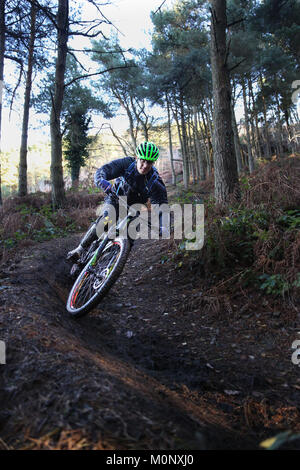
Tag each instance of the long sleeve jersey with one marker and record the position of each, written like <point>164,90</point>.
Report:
<point>138,188</point>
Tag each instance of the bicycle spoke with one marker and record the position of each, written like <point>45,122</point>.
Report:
<point>84,293</point>
<point>94,277</point>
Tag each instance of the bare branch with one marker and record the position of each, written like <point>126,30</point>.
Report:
<point>18,20</point>
<point>227,52</point>
<point>15,90</point>
<point>100,52</point>
<point>77,60</point>
<point>94,3</point>
<point>235,22</point>
<point>97,73</point>
<point>119,139</point>
<point>47,12</point>
<point>236,65</point>
<point>159,8</point>
<point>15,59</point>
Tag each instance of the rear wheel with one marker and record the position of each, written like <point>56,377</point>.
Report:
<point>95,280</point>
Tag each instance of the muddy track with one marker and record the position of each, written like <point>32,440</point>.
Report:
<point>146,369</point>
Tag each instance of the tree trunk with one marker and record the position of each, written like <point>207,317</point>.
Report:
<point>131,127</point>
<point>246,117</point>
<point>181,144</point>
<point>199,152</point>
<point>279,127</point>
<point>75,172</point>
<point>256,128</point>
<point>210,133</point>
<point>191,149</point>
<point>125,106</point>
<point>236,142</point>
<point>206,134</point>
<point>119,141</point>
<point>226,175</point>
<point>289,133</point>
<point>266,127</point>
<point>206,150</point>
<point>170,142</point>
<point>57,180</point>
<point>24,137</point>
<point>186,173</point>
<point>2,51</point>
<point>179,130</point>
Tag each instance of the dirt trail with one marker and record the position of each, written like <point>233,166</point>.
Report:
<point>149,368</point>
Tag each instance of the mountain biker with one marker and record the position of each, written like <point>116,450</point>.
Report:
<point>136,178</point>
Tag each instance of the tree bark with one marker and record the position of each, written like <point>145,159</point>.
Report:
<point>57,180</point>
<point>246,117</point>
<point>206,148</point>
<point>2,51</point>
<point>208,140</point>
<point>291,143</point>
<point>266,126</point>
<point>170,142</point>
<point>237,146</point>
<point>254,114</point>
<point>75,172</point>
<point>225,166</point>
<point>191,150</point>
<point>186,173</point>
<point>279,127</point>
<point>199,152</point>
<point>209,131</point>
<point>24,137</point>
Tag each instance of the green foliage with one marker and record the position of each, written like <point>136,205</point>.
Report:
<point>93,190</point>
<point>296,283</point>
<point>78,103</point>
<point>185,197</point>
<point>46,228</point>
<point>76,142</point>
<point>254,241</point>
<point>274,284</point>
<point>127,83</point>
<point>246,222</point>
<point>181,53</point>
<point>231,240</point>
<point>290,219</point>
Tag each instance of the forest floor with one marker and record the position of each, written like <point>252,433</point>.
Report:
<point>149,368</point>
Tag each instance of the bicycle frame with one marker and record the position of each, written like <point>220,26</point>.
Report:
<point>116,228</point>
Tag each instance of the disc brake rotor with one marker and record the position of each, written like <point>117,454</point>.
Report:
<point>103,274</point>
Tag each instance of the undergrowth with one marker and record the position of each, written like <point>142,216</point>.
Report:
<point>30,219</point>
<point>250,243</point>
<point>254,242</point>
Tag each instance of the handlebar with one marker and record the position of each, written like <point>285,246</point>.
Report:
<point>113,193</point>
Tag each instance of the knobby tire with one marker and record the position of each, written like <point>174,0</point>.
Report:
<point>84,296</point>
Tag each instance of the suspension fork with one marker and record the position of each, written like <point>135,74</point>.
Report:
<point>104,242</point>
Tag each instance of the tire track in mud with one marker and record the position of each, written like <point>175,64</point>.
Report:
<point>123,372</point>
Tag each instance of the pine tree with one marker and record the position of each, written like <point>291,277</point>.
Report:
<point>226,176</point>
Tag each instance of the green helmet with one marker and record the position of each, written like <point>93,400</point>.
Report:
<point>147,151</point>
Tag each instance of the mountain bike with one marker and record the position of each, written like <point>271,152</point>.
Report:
<point>103,264</point>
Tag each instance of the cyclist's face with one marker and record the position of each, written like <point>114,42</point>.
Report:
<point>143,166</point>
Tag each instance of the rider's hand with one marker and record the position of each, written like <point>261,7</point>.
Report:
<point>105,185</point>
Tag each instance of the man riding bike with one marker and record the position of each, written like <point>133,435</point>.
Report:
<point>136,178</point>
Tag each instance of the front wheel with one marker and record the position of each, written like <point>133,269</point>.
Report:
<point>96,279</point>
